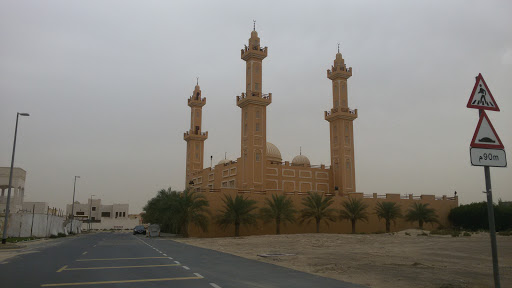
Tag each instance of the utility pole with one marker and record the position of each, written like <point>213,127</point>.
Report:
<point>4,236</point>
<point>73,205</point>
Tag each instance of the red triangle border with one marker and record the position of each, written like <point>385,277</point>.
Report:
<point>490,146</point>
<point>469,105</point>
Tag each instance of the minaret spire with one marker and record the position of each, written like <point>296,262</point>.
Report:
<point>197,81</point>
<point>338,47</point>
<point>254,25</point>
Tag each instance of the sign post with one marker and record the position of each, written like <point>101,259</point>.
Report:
<point>487,150</point>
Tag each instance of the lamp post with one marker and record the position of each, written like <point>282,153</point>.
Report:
<point>4,236</point>
<point>73,205</point>
<point>90,212</point>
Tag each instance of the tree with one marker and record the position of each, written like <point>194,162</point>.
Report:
<point>388,211</point>
<point>237,211</point>
<point>191,207</point>
<point>421,213</point>
<point>279,209</point>
<point>174,210</point>
<point>317,208</point>
<point>354,210</point>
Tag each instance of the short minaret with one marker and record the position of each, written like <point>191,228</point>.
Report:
<point>254,117</point>
<point>341,129</point>
<point>195,137</point>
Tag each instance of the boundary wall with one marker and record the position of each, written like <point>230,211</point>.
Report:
<point>442,206</point>
<point>38,225</point>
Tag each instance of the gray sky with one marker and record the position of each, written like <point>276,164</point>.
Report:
<point>107,82</point>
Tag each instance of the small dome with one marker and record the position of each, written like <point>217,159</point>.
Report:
<point>300,160</point>
<point>224,161</point>
<point>273,154</point>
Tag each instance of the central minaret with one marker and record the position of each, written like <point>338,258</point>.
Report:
<point>341,129</point>
<point>195,137</point>
<point>254,117</point>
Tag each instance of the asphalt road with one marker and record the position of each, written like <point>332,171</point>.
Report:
<point>124,260</point>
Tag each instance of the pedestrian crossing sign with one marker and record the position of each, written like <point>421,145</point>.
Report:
<point>481,97</point>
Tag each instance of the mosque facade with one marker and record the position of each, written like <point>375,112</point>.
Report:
<point>260,167</point>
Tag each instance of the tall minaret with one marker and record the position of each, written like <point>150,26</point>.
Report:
<point>341,129</point>
<point>195,137</point>
<point>254,117</point>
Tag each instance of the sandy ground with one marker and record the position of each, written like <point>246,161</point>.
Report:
<point>379,260</point>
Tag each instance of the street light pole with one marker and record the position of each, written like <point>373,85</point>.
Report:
<point>73,205</point>
<point>90,212</point>
<point>4,236</point>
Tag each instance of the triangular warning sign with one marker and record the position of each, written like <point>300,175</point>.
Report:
<point>485,136</point>
<point>481,97</point>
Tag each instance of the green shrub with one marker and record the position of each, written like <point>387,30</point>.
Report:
<point>455,233</point>
<point>473,216</point>
<point>466,234</point>
<point>505,233</point>
<point>407,233</point>
<point>441,232</point>
<point>422,234</point>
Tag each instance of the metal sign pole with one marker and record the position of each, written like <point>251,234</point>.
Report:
<point>492,228</point>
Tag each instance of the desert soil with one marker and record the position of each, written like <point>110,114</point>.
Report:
<point>379,260</point>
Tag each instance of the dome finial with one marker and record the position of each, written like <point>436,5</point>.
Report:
<point>300,151</point>
<point>225,155</point>
<point>197,80</point>
<point>338,47</point>
<point>254,25</point>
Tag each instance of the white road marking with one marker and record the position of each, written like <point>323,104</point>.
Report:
<point>215,285</point>
<point>198,275</point>
<point>177,262</point>
<point>164,254</point>
<point>170,258</point>
<point>185,267</point>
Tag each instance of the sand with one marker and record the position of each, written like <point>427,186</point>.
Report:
<point>379,260</point>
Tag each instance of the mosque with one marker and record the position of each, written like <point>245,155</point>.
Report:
<point>260,167</point>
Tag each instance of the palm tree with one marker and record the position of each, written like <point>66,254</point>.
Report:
<point>388,211</point>
<point>421,213</point>
<point>160,209</point>
<point>354,210</point>
<point>317,208</point>
<point>279,209</point>
<point>237,211</point>
<point>191,208</point>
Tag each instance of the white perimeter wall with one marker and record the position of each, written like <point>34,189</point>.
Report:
<point>116,223</point>
<point>44,225</point>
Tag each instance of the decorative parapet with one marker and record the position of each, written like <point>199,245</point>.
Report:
<point>196,101</point>
<point>195,135</point>
<point>256,52</point>
<point>340,113</point>
<point>339,71</point>
<point>254,98</point>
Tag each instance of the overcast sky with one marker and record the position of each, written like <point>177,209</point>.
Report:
<point>106,84</point>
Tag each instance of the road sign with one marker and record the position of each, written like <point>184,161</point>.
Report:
<point>485,136</point>
<point>481,97</point>
<point>488,157</point>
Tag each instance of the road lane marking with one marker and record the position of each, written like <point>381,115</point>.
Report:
<point>176,262</point>
<point>120,281</point>
<point>185,267</point>
<point>164,254</point>
<point>198,275</point>
<point>118,267</point>
<point>94,246</point>
<point>62,269</point>
<point>215,285</point>
<point>106,259</point>
<point>84,253</point>
<point>170,258</point>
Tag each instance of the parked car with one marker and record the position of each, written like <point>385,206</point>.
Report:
<point>139,230</point>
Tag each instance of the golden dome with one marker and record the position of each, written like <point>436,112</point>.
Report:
<point>300,160</point>
<point>273,154</point>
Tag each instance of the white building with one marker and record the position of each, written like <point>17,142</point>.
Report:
<point>17,191</point>
<point>113,216</point>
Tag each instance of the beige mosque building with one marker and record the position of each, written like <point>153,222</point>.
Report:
<point>260,166</point>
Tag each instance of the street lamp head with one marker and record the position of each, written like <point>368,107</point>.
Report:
<point>77,176</point>
<point>24,114</point>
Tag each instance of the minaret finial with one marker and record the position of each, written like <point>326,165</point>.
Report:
<point>225,155</point>
<point>197,81</point>
<point>338,47</point>
<point>254,25</point>
<point>300,153</point>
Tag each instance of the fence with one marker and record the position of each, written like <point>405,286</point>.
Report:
<point>38,225</point>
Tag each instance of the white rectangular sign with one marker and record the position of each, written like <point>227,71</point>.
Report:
<point>488,157</point>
